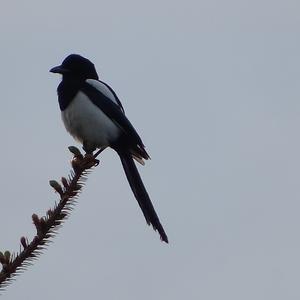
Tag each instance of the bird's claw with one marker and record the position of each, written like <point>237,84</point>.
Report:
<point>89,161</point>
<point>85,162</point>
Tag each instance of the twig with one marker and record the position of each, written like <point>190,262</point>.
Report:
<point>47,226</point>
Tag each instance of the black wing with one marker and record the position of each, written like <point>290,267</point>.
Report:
<point>113,111</point>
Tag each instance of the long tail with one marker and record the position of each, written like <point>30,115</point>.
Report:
<point>140,193</point>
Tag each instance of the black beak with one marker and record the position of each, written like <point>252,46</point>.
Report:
<point>59,70</point>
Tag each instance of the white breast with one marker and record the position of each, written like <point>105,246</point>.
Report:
<point>87,123</point>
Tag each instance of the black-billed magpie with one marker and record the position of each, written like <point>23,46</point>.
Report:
<point>93,114</point>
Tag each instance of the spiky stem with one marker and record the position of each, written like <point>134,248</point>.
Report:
<point>48,225</point>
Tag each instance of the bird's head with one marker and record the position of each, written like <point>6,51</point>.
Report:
<point>76,66</point>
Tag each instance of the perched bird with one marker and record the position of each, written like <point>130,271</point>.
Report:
<point>93,114</point>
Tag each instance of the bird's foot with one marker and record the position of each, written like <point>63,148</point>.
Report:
<point>81,162</point>
<point>89,160</point>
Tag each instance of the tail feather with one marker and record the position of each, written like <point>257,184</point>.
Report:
<point>141,194</point>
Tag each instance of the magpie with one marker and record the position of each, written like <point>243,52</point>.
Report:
<point>93,114</point>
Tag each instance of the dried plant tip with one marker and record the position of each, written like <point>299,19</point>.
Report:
<point>74,150</point>
<point>2,258</point>
<point>76,165</point>
<point>36,221</point>
<point>65,182</point>
<point>57,187</point>
<point>49,212</point>
<point>23,242</point>
<point>7,255</point>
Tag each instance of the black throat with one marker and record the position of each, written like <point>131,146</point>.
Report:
<point>67,90</point>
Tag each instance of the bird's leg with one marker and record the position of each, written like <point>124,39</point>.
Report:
<point>88,147</point>
<point>98,152</point>
<point>89,158</point>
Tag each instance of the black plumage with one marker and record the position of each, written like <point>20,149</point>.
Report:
<point>94,115</point>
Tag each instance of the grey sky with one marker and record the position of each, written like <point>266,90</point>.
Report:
<point>213,89</point>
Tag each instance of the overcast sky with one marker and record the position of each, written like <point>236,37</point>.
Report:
<point>213,88</point>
